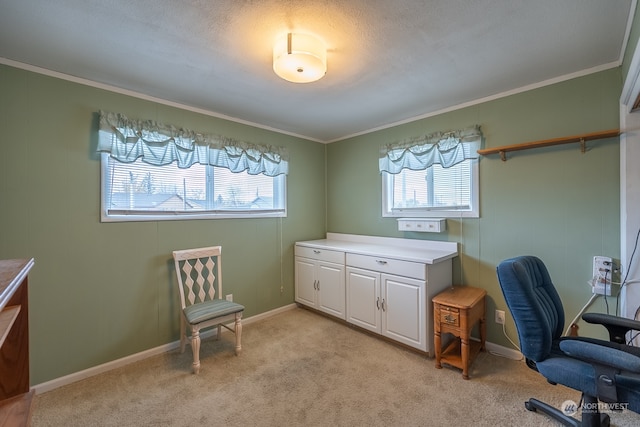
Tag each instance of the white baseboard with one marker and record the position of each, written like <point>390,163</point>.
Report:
<point>77,376</point>
<point>507,352</point>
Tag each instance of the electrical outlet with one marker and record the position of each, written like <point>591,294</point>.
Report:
<point>602,267</point>
<point>500,317</point>
<point>229,297</point>
<point>602,272</point>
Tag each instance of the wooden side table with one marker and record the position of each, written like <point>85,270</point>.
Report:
<point>456,311</point>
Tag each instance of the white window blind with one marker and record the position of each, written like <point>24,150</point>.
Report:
<point>138,191</point>
<point>435,188</point>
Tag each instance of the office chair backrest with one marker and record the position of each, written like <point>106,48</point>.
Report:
<point>534,304</point>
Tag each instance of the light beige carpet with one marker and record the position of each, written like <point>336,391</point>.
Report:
<point>301,369</point>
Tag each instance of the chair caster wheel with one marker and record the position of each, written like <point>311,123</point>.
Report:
<point>529,406</point>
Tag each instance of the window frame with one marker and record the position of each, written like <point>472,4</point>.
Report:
<point>425,212</point>
<point>108,215</point>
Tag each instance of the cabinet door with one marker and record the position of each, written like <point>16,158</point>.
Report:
<point>404,310</point>
<point>330,286</point>
<point>363,298</point>
<point>305,281</point>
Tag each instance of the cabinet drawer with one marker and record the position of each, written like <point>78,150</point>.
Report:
<point>450,316</point>
<point>397,267</point>
<point>320,254</point>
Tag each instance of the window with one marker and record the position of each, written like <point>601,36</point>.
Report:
<point>433,175</point>
<point>433,192</point>
<point>139,191</point>
<point>153,172</point>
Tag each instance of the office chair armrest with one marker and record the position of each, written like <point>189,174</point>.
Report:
<point>617,326</point>
<point>607,319</point>
<point>594,353</point>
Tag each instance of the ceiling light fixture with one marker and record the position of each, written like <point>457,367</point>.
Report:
<point>299,58</point>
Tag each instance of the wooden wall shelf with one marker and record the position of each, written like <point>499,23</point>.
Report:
<point>582,139</point>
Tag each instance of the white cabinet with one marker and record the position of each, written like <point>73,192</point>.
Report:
<point>381,300</point>
<point>384,285</point>
<point>363,299</point>
<point>392,306</point>
<point>319,280</point>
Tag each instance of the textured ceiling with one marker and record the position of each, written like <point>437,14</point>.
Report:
<point>388,61</point>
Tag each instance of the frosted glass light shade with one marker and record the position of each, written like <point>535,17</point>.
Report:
<point>299,58</point>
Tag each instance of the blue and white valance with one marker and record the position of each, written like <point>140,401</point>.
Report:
<point>444,148</point>
<point>158,144</point>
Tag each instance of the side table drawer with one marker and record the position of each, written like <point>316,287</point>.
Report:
<point>450,316</point>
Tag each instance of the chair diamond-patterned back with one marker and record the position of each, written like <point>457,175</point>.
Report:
<point>199,273</point>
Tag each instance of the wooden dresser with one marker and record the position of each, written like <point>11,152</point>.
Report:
<point>15,393</point>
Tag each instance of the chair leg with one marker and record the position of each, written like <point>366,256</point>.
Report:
<point>219,332</point>
<point>195,348</point>
<point>183,334</point>
<point>536,405</point>
<point>590,417</point>
<point>238,331</point>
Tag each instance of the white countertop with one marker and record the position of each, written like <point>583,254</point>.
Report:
<point>423,251</point>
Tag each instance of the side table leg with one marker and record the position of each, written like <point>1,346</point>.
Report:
<point>483,333</point>
<point>483,325</point>
<point>464,350</point>
<point>438,347</point>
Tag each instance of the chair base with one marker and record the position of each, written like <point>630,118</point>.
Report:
<point>589,419</point>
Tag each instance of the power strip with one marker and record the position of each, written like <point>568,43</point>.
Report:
<point>602,272</point>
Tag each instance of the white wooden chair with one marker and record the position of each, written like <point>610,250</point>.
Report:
<point>199,273</point>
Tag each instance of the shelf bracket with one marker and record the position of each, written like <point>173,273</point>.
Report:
<point>503,155</point>
<point>583,146</point>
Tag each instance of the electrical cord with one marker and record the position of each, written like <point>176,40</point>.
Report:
<point>495,353</point>
<point>582,310</point>
<point>504,331</point>
<point>635,247</point>
<point>626,275</point>
<point>606,301</point>
<point>628,282</point>
<point>625,283</point>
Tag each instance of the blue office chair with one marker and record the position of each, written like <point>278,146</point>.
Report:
<point>603,371</point>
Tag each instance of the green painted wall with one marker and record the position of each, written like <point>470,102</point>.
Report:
<point>555,202</point>
<point>102,291</point>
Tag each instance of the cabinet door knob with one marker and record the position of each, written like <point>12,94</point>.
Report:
<point>383,309</point>
<point>381,262</point>
<point>315,251</point>
<point>378,303</point>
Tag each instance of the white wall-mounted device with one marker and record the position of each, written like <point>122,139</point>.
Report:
<point>425,225</point>
<point>602,272</point>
